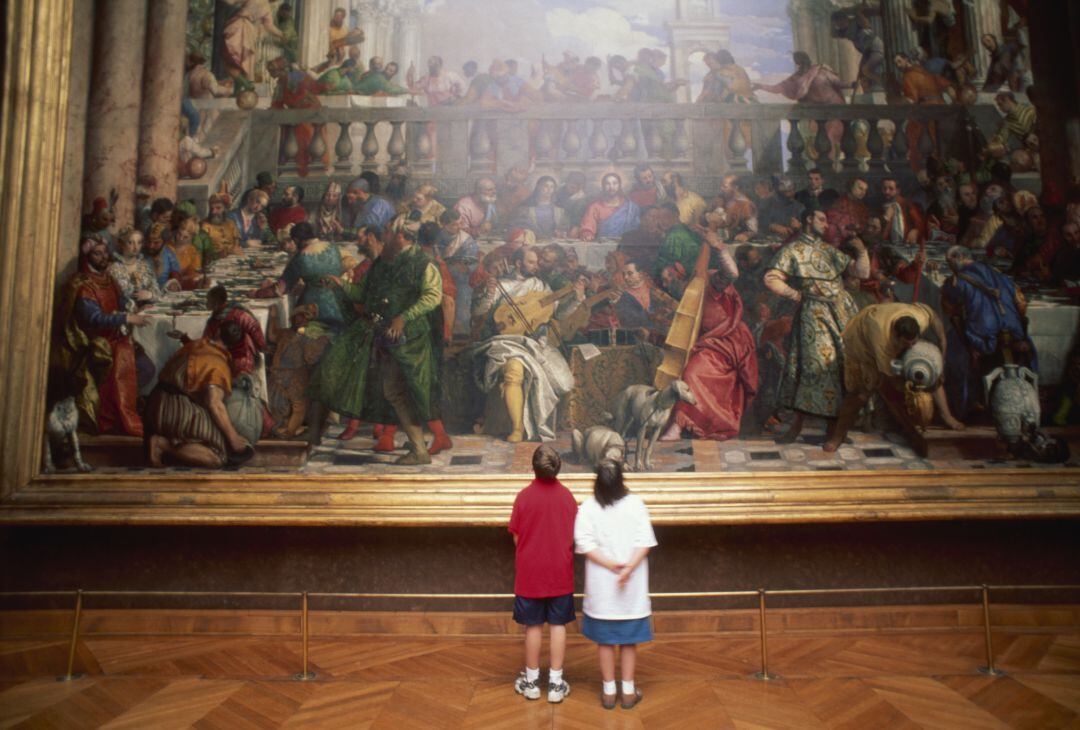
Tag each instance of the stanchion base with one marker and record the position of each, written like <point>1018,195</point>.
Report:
<point>302,677</point>
<point>765,677</point>
<point>70,677</point>
<point>995,672</point>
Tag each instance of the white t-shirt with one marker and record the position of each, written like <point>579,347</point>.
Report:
<point>617,531</point>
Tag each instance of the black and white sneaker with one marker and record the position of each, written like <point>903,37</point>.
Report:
<point>530,690</point>
<point>556,692</point>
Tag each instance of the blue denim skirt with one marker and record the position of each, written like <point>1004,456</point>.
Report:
<point>617,632</point>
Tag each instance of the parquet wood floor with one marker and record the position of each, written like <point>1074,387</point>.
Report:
<point>894,680</point>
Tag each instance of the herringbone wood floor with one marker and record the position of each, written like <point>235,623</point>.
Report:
<point>885,680</point>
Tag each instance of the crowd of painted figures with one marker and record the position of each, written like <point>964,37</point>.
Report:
<point>809,294</point>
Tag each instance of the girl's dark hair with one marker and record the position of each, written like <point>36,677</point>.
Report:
<point>609,487</point>
<point>428,233</point>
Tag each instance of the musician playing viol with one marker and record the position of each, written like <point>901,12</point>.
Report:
<point>529,374</point>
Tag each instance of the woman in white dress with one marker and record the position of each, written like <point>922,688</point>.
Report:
<point>131,271</point>
<point>615,534</point>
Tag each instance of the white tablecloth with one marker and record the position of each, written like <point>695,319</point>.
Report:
<point>591,254</point>
<point>240,277</point>
<point>1053,328</point>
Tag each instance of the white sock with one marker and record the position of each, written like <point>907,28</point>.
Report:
<point>531,674</point>
<point>609,687</point>
<point>554,676</point>
<point>628,688</point>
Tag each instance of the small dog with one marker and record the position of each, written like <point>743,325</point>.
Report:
<point>596,444</point>
<point>642,411</point>
<point>63,424</point>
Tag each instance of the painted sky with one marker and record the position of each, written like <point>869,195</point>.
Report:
<point>460,30</point>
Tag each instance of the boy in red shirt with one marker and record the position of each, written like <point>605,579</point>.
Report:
<point>542,524</point>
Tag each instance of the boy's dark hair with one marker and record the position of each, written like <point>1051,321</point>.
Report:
<point>303,231</point>
<point>231,334</point>
<point>374,184</point>
<point>546,462</point>
<point>609,487</point>
<point>161,205</point>
<point>428,233</point>
<point>373,229</point>
<point>906,328</point>
<point>217,297</point>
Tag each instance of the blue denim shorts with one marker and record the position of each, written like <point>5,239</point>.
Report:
<point>556,610</point>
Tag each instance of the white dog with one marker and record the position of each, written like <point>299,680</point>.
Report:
<point>63,423</point>
<point>596,444</point>
<point>642,412</point>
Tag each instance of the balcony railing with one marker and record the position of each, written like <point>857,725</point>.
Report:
<point>981,591</point>
<point>455,145</point>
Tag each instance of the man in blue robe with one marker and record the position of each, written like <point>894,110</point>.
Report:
<point>371,209</point>
<point>988,309</point>
<point>612,215</point>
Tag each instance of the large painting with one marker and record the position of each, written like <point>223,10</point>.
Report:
<point>412,239</point>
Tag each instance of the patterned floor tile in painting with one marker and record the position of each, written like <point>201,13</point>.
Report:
<point>482,454</point>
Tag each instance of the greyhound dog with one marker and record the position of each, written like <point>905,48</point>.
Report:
<point>63,423</point>
<point>596,444</point>
<point>642,411</point>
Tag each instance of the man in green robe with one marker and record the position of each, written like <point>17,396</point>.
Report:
<point>378,81</point>
<point>677,257</point>
<point>382,368</point>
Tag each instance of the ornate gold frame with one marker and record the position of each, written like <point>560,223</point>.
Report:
<point>32,132</point>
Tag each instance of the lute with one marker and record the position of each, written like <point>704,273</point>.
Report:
<point>522,315</point>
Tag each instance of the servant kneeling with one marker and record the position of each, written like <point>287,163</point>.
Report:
<point>186,419</point>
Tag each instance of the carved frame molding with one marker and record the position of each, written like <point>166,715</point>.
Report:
<point>32,132</point>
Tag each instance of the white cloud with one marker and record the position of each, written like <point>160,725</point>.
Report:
<point>642,12</point>
<point>602,31</point>
<point>527,29</point>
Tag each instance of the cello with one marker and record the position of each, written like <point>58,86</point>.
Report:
<point>686,325</point>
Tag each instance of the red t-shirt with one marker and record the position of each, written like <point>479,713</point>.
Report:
<point>543,520</point>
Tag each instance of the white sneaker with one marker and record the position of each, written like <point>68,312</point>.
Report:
<point>556,692</point>
<point>523,686</point>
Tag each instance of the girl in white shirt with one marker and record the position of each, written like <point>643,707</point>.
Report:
<point>613,531</point>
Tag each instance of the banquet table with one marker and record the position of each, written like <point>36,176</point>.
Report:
<point>1053,327</point>
<point>591,254</point>
<point>186,311</point>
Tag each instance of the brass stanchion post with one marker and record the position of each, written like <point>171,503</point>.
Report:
<point>989,669</point>
<point>74,640</point>
<point>764,673</point>
<point>305,675</point>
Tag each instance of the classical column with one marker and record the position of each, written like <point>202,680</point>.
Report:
<point>71,201</point>
<point>112,120</point>
<point>409,51</point>
<point>314,25</point>
<point>897,32</point>
<point>828,52</point>
<point>368,15</point>
<point>162,92</point>
<point>983,18</point>
<point>802,28</point>
<point>383,43</point>
<point>850,58</point>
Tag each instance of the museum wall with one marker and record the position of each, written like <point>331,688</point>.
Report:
<point>479,560</point>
